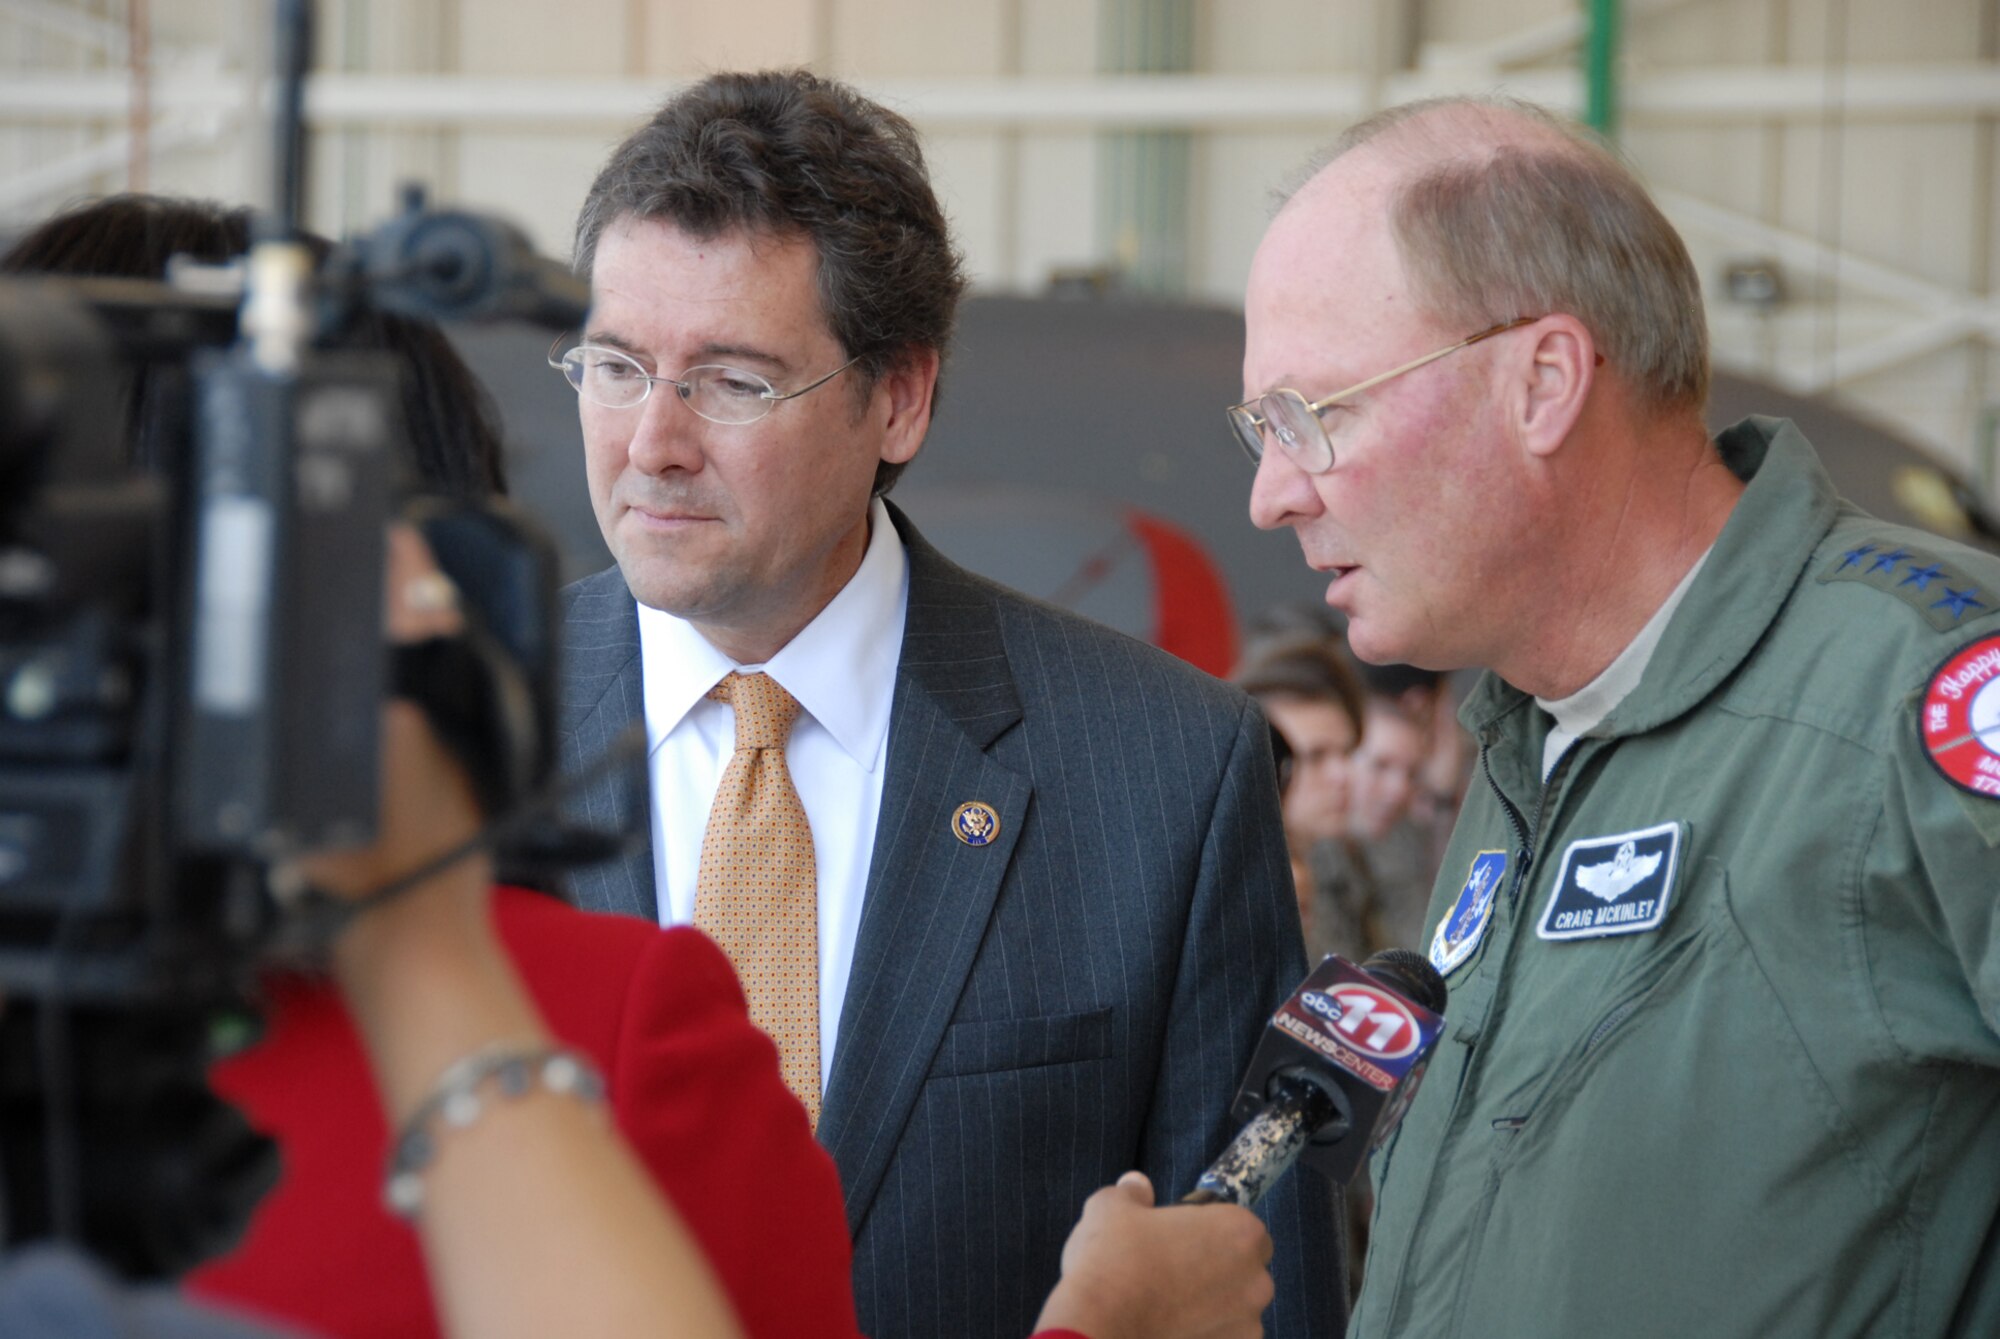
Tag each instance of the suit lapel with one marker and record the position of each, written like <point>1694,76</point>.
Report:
<point>929,893</point>
<point>603,692</point>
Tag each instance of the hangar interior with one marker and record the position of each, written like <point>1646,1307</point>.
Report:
<point>1109,165</point>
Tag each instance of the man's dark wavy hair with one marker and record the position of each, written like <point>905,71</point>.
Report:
<point>790,153</point>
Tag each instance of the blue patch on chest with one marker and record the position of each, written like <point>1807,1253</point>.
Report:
<point>1616,885</point>
<point>1459,933</point>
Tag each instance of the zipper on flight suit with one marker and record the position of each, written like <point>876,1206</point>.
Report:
<point>1525,857</point>
<point>1524,850</point>
<point>1506,1125</point>
<point>1609,1023</point>
<point>1522,853</point>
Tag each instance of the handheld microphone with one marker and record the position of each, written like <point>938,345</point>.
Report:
<point>1334,1073</point>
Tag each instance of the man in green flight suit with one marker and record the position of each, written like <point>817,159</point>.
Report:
<point>1722,1053</point>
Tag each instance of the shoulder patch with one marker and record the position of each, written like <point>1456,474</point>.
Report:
<point>1464,925</point>
<point>1961,718</point>
<point>1941,592</point>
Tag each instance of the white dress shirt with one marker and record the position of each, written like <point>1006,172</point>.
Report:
<point>842,669</point>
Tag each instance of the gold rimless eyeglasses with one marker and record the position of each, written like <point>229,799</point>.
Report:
<point>616,380</point>
<point>1295,421</point>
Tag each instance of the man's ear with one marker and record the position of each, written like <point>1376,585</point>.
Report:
<point>1553,382</point>
<point>903,394</point>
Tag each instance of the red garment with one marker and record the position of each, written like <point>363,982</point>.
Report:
<point>694,1086</point>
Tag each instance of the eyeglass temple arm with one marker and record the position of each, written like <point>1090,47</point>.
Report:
<point>790,395</point>
<point>1416,363</point>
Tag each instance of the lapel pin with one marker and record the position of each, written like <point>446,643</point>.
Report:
<point>975,823</point>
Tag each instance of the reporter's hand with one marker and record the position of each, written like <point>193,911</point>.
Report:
<point>427,806</point>
<point>1134,1271</point>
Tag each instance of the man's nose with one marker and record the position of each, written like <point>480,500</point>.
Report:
<point>666,435</point>
<point>1281,493</point>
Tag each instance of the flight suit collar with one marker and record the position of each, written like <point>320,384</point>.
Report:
<point>1786,509</point>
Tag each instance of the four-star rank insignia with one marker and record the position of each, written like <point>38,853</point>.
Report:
<point>1944,595</point>
<point>1459,933</point>
<point>1617,885</point>
<point>1961,718</point>
<point>975,823</point>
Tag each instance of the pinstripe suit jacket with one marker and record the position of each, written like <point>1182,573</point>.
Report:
<point>1027,1019</point>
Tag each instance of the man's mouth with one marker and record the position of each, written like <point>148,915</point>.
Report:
<point>666,516</point>
<point>1336,574</point>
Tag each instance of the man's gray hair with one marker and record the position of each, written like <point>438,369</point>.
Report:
<point>1509,210</point>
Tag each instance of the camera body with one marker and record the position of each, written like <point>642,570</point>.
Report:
<point>194,490</point>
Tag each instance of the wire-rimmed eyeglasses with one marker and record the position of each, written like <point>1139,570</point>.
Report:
<point>720,394</point>
<point>1295,421</point>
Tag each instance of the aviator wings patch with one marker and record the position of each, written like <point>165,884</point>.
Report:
<point>1619,875</point>
<point>1615,885</point>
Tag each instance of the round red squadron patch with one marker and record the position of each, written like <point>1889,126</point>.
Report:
<point>1961,720</point>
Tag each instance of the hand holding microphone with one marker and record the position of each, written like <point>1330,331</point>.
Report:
<point>1134,1271</point>
<point>1334,1073</point>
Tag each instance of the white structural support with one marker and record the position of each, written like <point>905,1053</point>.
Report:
<point>1925,335</point>
<point>196,94</point>
<point>1942,315</point>
<point>1804,254</point>
<point>57,175</point>
<point>109,154</point>
<point>86,30</point>
<point>1717,94</point>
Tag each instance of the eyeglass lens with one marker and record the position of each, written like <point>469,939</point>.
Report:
<point>719,394</point>
<point>1289,421</point>
<point>1298,430</point>
<point>1249,432</point>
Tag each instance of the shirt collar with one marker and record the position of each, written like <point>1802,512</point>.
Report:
<point>841,666</point>
<point>1594,701</point>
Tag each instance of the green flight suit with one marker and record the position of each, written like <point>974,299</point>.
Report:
<point>1765,1102</point>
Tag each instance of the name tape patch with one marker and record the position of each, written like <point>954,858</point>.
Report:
<point>1459,933</point>
<point>1617,885</point>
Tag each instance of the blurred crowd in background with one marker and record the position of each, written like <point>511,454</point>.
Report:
<point>1372,765</point>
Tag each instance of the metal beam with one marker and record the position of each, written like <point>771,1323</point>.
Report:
<point>1713,94</point>
<point>86,30</point>
<point>1943,315</point>
<point>1807,255</point>
<point>1927,334</point>
<point>1600,68</point>
<point>36,185</point>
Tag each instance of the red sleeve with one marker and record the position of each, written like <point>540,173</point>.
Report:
<point>695,1089</point>
<point>697,1092</point>
<point>306,1085</point>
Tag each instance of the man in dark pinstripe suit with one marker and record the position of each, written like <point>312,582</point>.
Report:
<point>1054,903</point>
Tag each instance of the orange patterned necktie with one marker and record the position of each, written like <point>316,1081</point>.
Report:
<point>757,893</point>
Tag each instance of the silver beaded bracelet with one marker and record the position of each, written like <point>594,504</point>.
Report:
<point>461,1095</point>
